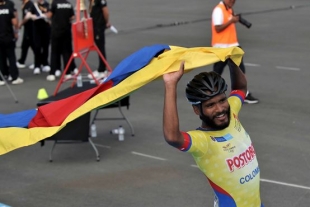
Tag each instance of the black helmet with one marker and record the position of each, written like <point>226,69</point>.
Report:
<point>205,86</point>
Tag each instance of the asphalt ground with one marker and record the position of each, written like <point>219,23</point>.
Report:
<point>143,170</point>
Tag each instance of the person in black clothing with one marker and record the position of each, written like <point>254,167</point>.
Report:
<point>42,30</point>
<point>28,40</point>
<point>5,67</point>
<point>8,36</point>
<point>99,12</point>
<point>62,14</point>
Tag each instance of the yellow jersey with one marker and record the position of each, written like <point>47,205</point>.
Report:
<point>228,159</point>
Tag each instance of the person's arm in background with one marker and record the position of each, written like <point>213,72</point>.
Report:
<point>171,129</point>
<point>72,18</point>
<point>217,18</point>
<point>90,6</point>
<point>237,77</point>
<point>15,25</point>
<point>106,16</point>
<point>24,21</point>
<point>49,14</point>
<point>16,16</point>
<point>28,16</point>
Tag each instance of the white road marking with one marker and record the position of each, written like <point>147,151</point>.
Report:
<point>252,64</point>
<point>277,67</point>
<point>285,184</point>
<point>277,182</point>
<point>103,146</point>
<point>149,156</point>
<point>287,68</point>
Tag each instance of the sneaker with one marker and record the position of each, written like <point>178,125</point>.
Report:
<point>68,76</point>
<point>58,73</point>
<point>31,67</point>
<point>8,77</point>
<point>98,75</point>
<point>50,78</point>
<point>19,65</point>
<point>75,71</point>
<point>46,68</point>
<point>36,71</point>
<point>2,83</point>
<point>17,81</point>
<point>250,99</point>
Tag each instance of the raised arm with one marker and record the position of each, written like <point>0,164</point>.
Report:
<point>171,129</point>
<point>237,77</point>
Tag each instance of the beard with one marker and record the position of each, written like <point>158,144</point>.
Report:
<point>209,121</point>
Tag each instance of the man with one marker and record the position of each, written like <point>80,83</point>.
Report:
<point>99,12</point>
<point>224,35</point>
<point>62,14</point>
<point>221,147</point>
<point>8,36</point>
<point>28,39</point>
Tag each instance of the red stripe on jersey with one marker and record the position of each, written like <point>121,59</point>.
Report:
<point>187,142</point>
<point>218,188</point>
<point>238,93</point>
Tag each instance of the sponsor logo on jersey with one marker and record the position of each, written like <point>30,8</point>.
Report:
<point>229,148</point>
<point>4,11</point>
<point>242,159</point>
<point>222,139</point>
<point>250,176</point>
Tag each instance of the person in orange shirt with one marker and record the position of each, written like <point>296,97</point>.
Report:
<point>224,34</point>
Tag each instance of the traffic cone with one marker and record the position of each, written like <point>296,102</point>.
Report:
<point>42,94</point>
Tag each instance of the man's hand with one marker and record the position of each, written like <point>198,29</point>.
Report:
<point>31,16</point>
<point>174,77</point>
<point>16,35</point>
<point>234,19</point>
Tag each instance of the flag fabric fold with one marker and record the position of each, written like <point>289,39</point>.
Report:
<point>17,119</point>
<point>135,71</point>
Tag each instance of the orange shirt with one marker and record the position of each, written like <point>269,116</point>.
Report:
<point>227,37</point>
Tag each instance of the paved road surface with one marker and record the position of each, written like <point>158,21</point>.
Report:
<point>145,171</point>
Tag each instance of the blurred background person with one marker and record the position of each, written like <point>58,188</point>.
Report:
<point>42,35</point>
<point>8,36</point>
<point>61,14</point>
<point>5,67</point>
<point>99,12</point>
<point>27,40</point>
<point>224,35</point>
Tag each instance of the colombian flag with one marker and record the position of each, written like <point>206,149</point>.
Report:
<point>28,127</point>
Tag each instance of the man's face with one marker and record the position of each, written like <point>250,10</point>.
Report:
<point>229,3</point>
<point>216,112</point>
